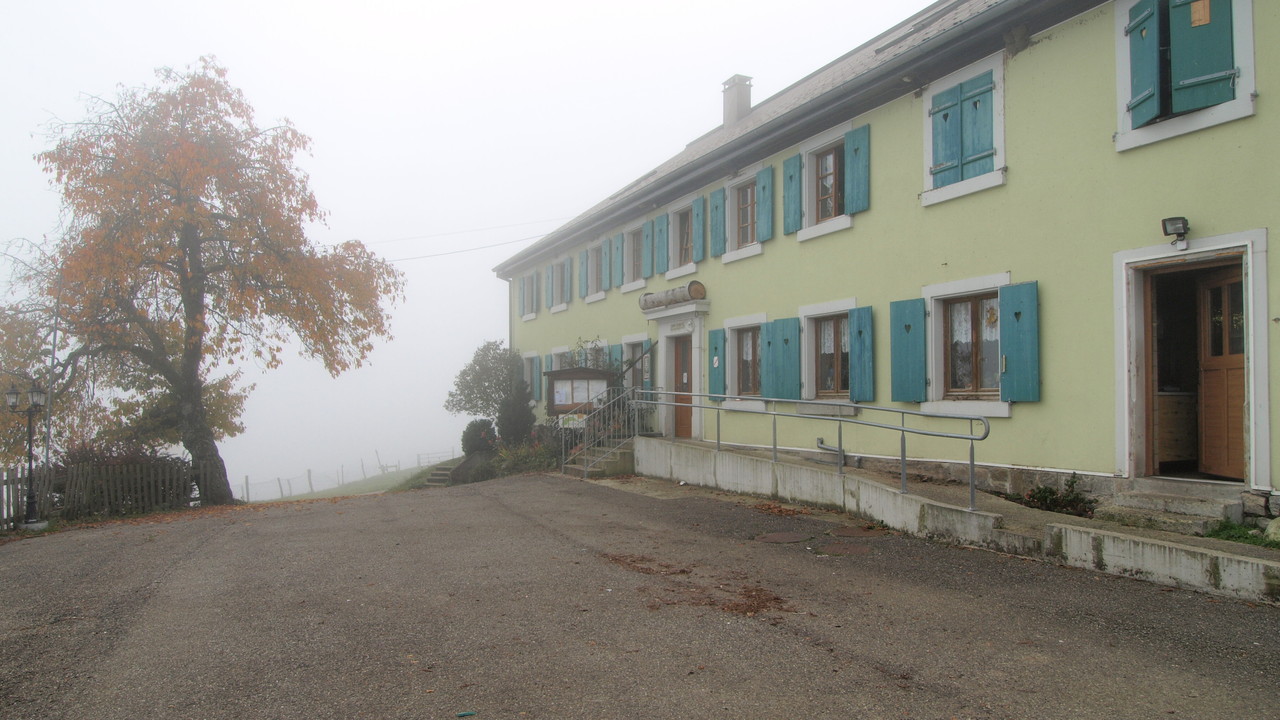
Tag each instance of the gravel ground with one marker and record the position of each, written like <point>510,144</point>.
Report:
<point>547,597</point>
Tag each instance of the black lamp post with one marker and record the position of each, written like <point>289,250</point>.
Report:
<point>36,399</point>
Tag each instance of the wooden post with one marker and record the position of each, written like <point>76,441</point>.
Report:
<point>310,487</point>
<point>246,488</point>
<point>281,486</point>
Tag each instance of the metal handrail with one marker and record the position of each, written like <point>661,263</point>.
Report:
<point>902,428</point>
<point>613,417</point>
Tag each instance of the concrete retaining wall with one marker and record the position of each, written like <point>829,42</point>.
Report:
<point>1096,549</point>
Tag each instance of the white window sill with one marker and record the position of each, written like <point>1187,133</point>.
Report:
<point>1241,107</point>
<point>964,187</point>
<point>559,308</point>
<point>595,297</point>
<point>744,404</point>
<point>632,286</point>
<point>985,408</point>
<point>681,271</point>
<point>826,227</point>
<point>528,316</point>
<point>743,253</point>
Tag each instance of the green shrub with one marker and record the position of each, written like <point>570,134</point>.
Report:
<point>1068,501</point>
<point>478,436</point>
<point>530,457</point>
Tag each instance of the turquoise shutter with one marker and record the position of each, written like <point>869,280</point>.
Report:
<point>566,292</point>
<point>606,276</point>
<point>584,268</point>
<point>1144,63</point>
<point>648,362</point>
<point>857,170</point>
<point>947,147</point>
<point>548,362</point>
<point>661,253</point>
<point>717,223</point>
<point>977,136</point>
<point>646,251</point>
<point>715,361</point>
<point>619,272</point>
<point>792,194</point>
<point>520,302</point>
<point>550,288</point>
<point>535,382</point>
<point>699,212</point>
<point>907,350</point>
<point>1202,65</point>
<point>1020,343</point>
<point>780,361</point>
<point>615,357</point>
<point>764,204</point>
<point>862,379</point>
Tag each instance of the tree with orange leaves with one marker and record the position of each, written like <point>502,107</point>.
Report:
<point>185,251</point>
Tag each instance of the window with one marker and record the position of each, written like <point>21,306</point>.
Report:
<point>972,347</point>
<point>559,284</point>
<point>634,252</point>
<point>744,203</point>
<point>1183,65</point>
<point>638,362</point>
<point>980,349</point>
<point>684,237</point>
<point>747,360</point>
<point>964,132</point>
<point>829,182</point>
<point>527,295</point>
<point>595,270</point>
<point>831,354</point>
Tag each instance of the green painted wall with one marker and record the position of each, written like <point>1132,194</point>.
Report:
<point>1070,202</point>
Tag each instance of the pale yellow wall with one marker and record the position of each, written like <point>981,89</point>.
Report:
<point>1069,204</point>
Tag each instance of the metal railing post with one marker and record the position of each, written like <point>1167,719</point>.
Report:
<point>973,484</point>
<point>902,454</point>
<point>840,445</point>
<point>719,412</point>
<point>775,438</point>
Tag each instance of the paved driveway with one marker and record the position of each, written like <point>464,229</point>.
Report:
<point>547,597</point>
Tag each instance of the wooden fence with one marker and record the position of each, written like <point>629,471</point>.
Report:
<point>98,490</point>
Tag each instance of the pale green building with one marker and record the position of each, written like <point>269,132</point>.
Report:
<point>1053,214</point>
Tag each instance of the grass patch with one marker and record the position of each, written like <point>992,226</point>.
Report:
<point>1235,532</point>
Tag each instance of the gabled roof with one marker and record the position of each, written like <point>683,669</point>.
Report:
<point>932,43</point>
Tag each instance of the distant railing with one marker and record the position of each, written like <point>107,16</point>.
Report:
<point>840,417</point>
<point>607,422</point>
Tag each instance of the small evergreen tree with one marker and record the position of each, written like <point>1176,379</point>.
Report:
<point>515,416</point>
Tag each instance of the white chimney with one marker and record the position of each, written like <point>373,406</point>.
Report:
<point>737,99</point>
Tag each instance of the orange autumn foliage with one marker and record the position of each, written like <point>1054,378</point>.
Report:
<point>186,251</point>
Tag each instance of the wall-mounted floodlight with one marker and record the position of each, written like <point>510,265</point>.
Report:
<point>1178,227</point>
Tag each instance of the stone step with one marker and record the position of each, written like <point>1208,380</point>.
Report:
<point>1210,508</point>
<point>1155,519</point>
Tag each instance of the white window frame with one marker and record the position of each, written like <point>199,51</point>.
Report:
<point>630,237</point>
<point>1127,138</point>
<point>809,316</point>
<point>635,341</point>
<point>528,360</point>
<point>595,273</point>
<point>1129,342</point>
<point>673,239</point>
<point>558,280</point>
<point>995,178</point>
<point>935,297</point>
<point>556,353</point>
<point>731,326</point>
<point>532,298</point>
<point>809,151</point>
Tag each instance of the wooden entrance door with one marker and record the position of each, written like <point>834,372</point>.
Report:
<point>1222,372</point>
<point>682,365</point>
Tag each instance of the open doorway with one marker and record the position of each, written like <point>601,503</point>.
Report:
<point>1196,366</point>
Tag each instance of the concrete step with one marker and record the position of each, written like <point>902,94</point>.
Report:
<point>1180,504</point>
<point>1149,519</point>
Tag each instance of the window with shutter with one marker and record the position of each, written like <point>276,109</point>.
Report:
<point>964,132</point>
<point>1182,66</point>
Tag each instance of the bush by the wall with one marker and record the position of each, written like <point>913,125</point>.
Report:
<point>479,436</point>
